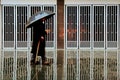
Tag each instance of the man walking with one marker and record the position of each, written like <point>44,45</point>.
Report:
<point>38,46</point>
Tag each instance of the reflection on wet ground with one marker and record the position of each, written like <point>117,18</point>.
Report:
<point>78,65</point>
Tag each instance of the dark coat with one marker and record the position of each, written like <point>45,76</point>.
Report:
<point>38,32</point>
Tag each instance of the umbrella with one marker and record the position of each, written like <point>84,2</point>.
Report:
<point>39,16</point>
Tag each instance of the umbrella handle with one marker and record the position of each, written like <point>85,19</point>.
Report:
<point>37,51</point>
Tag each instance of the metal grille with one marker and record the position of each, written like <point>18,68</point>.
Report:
<point>84,26</point>
<point>112,26</point>
<point>8,26</point>
<point>71,26</point>
<point>21,30</point>
<point>99,26</point>
<point>35,9</point>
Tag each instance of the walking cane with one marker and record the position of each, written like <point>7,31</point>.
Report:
<point>37,51</point>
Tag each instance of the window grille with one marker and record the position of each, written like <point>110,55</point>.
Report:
<point>99,26</point>
<point>112,26</point>
<point>8,26</point>
<point>71,26</point>
<point>21,29</point>
<point>84,26</point>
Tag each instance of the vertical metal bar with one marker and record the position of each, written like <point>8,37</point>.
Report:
<point>55,28</point>
<point>115,13</point>
<point>79,22</point>
<point>6,24</point>
<point>2,63</point>
<point>15,65</point>
<point>105,39</point>
<point>89,24</point>
<point>65,65</point>
<point>91,64</point>
<point>77,27</point>
<point>8,9</point>
<point>66,8</point>
<point>24,16</point>
<point>92,26</point>
<point>92,40</point>
<point>19,24</point>
<point>28,44</point>
<point>3,27</point>
<point>96,21</point>
<point>23,20</point>
<point>113,23</point>
<point>118,55</point>
<point>20,33</point>
<point>106,27</point>
<point>84,23</point>
<point>99,25</point>
<point>78,64</point>
<point>117,65</point>
<point>114,20</point>
<point>15,27</point>
<point>87,19</point>
<point>98,13</point>
<point>50,21</point>
<point>118,20</point>
<point>105,65</point>
<point>55,65</point>
<point>111,26</point>
<point>5,9</point>
<point>95,24</point>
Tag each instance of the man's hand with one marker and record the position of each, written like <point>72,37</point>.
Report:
<point>47,31</point>
<point>42,37</point>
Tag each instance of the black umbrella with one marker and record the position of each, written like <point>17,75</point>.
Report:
<point>39,16</point>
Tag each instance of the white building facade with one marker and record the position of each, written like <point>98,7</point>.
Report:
<point>87,24</point>
<point>92,24</point>
<point>15,14</point>
<point>91,34</point>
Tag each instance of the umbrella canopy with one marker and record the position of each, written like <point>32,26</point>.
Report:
<point>39,16</point>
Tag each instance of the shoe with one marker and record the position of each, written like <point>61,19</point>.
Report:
<point>45,63</point>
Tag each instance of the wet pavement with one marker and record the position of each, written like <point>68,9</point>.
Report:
<point>77,65</point>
